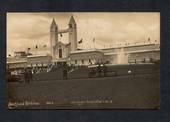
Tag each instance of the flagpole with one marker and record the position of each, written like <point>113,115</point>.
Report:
<point>36,47</point>
<point>80,42</point>
<point>94,42</point>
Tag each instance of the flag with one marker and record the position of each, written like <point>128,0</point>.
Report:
<point>80,41</point>
<point>148,39</point>
<point>44,45</point>
<point>93,39</point>
<point>68,44</point>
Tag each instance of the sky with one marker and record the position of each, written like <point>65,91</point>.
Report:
<point>26,30</point>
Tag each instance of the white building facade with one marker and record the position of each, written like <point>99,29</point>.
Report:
<point>119,55</point>
<point>70,54</point>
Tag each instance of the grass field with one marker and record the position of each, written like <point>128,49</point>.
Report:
<point>129,91</point>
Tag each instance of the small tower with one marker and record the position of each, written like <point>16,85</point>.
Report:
<point>53,37</point>
<point>73,34</point>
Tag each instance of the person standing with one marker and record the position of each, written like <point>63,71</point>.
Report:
<point>25,75</point>
<point>30,75</point>
<point>105,70</point>
<point>99,70</point>
<point>65,71</point>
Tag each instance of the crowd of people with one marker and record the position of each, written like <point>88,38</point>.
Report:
<point>28,72</point>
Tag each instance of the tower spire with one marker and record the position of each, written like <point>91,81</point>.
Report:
<point>53,37</point>
<point>72,21</point>
<point>53,22</point>
<point>73,33</point>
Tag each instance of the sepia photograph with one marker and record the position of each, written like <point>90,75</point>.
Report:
<point>83,60</point>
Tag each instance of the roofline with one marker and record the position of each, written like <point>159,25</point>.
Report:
<point>128,52</point>
<point>128,46</point>
<point>86,51</point>
<point>32,56</point>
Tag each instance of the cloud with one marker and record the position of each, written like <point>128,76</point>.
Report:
<point>29,29</point>
<point>134,27</point>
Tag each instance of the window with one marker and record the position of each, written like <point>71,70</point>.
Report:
<point>97,60</point>
<point>60,53</point>
<point>89,61</point>
<point>75,61</point>
<point>101,60</point>
<point>82,61</point>
<point>70,25</point>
